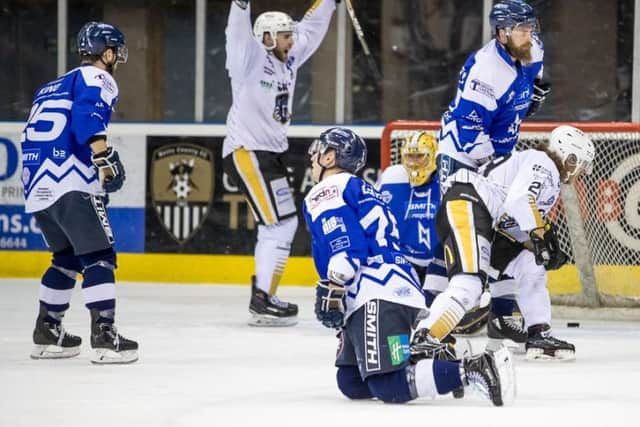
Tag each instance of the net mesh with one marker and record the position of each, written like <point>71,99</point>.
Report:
<point>607,219</point>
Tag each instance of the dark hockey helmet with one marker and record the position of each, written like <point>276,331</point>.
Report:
<point>351,150</point>
<point>95,37</point>
<point>511,13</point>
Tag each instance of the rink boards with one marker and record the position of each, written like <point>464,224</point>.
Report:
<point>178,218</point>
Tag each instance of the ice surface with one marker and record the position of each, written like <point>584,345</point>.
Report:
<point>201,365</point>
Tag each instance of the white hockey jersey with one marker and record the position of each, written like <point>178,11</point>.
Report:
<point>262,86</point>
<point>353,230</point>
<point>521,187</point>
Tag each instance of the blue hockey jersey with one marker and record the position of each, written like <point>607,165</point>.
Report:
<point>354,234</point>
<point>493,97</point>
<point>65,115</point>
<point>415,211</point>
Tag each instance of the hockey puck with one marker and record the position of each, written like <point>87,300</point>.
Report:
<point>573,324</point>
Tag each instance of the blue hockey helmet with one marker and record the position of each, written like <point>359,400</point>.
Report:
<point>95,37</point>
<point>351,150</point>
<point>511,13</point>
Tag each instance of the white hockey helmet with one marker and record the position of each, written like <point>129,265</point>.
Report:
<point>272,23</point>
<point>574,148</point>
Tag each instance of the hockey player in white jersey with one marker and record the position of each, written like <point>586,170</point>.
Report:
<point>369,291</point>
<point>263,62</point>
<point>523,186</point>
<point>67,167</point>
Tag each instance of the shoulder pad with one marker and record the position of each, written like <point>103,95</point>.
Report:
<point>95,77</point>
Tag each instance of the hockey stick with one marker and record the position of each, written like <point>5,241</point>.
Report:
<point>365,47</point>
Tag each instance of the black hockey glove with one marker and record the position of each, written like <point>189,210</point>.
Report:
<point>329,307</point>
<point>557,258</point>
<point>110,169</point>
<point>540,91</point>
<point>540,250</point>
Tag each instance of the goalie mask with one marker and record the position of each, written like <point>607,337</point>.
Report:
<point>418,156</point>
<point>272,23</point>
<point>574,148</point>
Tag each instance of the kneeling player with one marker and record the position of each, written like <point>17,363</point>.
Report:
<point>524,186</point>
<point>370,291</point>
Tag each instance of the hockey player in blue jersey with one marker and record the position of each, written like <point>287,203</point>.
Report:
<point>412,191</point>
<point>370,291</point>
<point>67,168</point>
<point>498,87</point>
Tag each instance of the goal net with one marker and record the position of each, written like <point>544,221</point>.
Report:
<point>598,217</point>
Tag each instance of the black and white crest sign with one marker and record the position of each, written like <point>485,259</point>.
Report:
<point>182,180</point>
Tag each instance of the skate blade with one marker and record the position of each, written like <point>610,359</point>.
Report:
<point>105,356</point>
<point>538,355</point>
<point>495,344</point>
<point>271,321</point>
<point>44,351</point>
<point>507,375</point>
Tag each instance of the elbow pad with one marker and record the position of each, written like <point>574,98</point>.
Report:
<point>341,269</point>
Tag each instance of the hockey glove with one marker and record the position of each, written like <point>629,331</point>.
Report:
<point>329,307</point>
<point>110,169</point>
<point>540,250</point>
<point>557,258</point>
<point>540,91</point>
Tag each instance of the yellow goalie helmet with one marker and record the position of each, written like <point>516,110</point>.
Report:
<point>418,155</point>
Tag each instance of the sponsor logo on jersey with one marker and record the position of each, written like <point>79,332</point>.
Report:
<point>107,84</point>
<point>322,195</point>
<point>340,244</point>
<point>482,87</point>
<point>333,223</point>
<point>31,156</point>
<point>372,345</point>
<point>58,153</point>
<point>182,183</point>
<point>474,117</point>
<point>265,84</point>
<point>49,89</point>
<point>398,348</point>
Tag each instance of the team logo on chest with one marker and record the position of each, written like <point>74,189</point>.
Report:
<point>182,181</point>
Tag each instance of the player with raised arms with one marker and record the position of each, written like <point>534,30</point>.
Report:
<point>263,63</point>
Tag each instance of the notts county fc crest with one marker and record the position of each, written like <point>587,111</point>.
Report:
<point>182,187</point>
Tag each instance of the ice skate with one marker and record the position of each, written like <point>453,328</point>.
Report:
<point>51,341</point>
<point>270,310</point>
<point>108,346</point>
<point>492,375</point>
<point>542,346</point>
<point>423,346</point>
<point>505,330</point>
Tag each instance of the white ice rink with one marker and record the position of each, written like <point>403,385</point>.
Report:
<point>201,365</point>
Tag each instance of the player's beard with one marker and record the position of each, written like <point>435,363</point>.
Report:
<point>520,53</point>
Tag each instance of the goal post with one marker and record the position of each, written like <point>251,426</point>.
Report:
<point>598,217</point>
